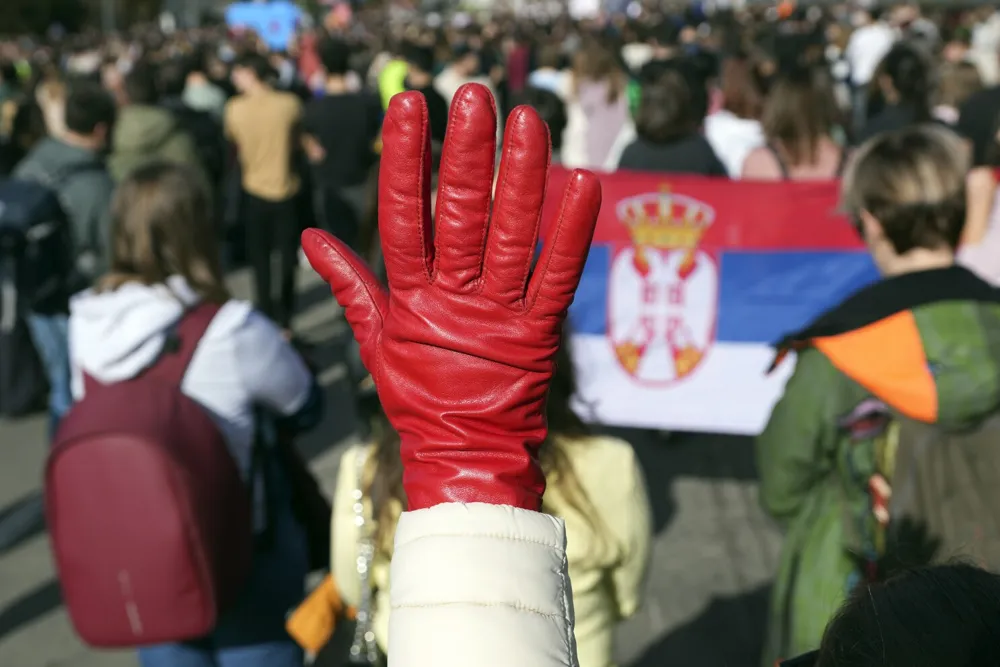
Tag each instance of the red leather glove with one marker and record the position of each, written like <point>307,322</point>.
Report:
<point>461,344</point>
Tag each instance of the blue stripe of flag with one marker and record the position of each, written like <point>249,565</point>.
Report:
<point>765,296</point>
<point>762,295</point>
<point>589,312</point>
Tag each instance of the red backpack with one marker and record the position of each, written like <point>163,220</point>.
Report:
<point>149,518</point>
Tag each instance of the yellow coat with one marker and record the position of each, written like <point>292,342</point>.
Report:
<point>607,569</point>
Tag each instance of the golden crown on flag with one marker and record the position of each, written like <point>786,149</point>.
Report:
<point>665,220</point>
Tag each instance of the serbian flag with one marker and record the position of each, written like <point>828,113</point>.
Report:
<point>689,283</point>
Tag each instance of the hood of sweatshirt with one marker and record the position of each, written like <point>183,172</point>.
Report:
<point>52,160</point>
<point>926,343</point>
<point>116,335</point>
<point>143,129</point>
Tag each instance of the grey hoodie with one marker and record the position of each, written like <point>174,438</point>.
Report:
<point>85,189</point>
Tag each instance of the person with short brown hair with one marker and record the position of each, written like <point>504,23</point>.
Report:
<point>667,124</point>
<point>264,124</point>
<point>72,165</point>
<point>906,192</point>
<point>916,347</point>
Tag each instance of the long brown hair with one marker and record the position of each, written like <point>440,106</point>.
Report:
<point>383,478</point>
<point>958,82</point>
<point>596,62</point>
<point>161,226</point>
<point>799,112</point>
<point>741,90</point>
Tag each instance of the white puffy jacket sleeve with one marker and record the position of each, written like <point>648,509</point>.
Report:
<point>483,585</point>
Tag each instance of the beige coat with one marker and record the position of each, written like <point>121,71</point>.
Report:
<point>607,570</point>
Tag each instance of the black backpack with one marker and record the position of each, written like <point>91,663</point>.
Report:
<point>209,140</point>
<point>37,262</point>
<point>23,382</point>
<point>36,265</point>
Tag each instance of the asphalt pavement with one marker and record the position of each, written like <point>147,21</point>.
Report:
<point>713,557</point>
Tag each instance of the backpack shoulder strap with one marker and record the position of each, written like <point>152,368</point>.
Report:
<point>178,350</point>
<point>182,342</point>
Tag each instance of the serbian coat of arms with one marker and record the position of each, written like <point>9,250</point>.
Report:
<point>663,289</point>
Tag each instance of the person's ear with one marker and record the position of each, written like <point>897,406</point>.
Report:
<point>871,228</point>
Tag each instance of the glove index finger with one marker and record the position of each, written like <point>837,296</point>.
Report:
<point>566,246</point>
<point>357,290</point>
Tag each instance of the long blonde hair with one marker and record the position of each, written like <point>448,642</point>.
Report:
<point>798,114</point>
<point>51,96</point>
<point>596,63</point>
<point>161,227</point>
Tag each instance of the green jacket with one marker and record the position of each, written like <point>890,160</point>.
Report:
<point>923,345</point>
<point>145,134</point>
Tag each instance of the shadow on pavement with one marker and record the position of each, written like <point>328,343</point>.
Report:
<point>30,607</point>
<point>729,633</point>
<point>21,521</point>
<point>340,416</point>
<point>314,295</point>
<point>338,651</point>
<point>705,456</point>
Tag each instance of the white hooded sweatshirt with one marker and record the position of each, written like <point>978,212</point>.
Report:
<point>476,584</point>
<point>241,362</point>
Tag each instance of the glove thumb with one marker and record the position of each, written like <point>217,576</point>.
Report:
<point>364,300</point>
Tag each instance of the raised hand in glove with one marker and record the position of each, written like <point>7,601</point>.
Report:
<point>461,344</point>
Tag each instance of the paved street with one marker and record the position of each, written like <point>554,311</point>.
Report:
<point>712,559</point>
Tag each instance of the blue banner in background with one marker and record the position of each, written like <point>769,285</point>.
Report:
<point>274,22</point>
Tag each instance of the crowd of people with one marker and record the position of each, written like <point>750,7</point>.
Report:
<point>172,158</point>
